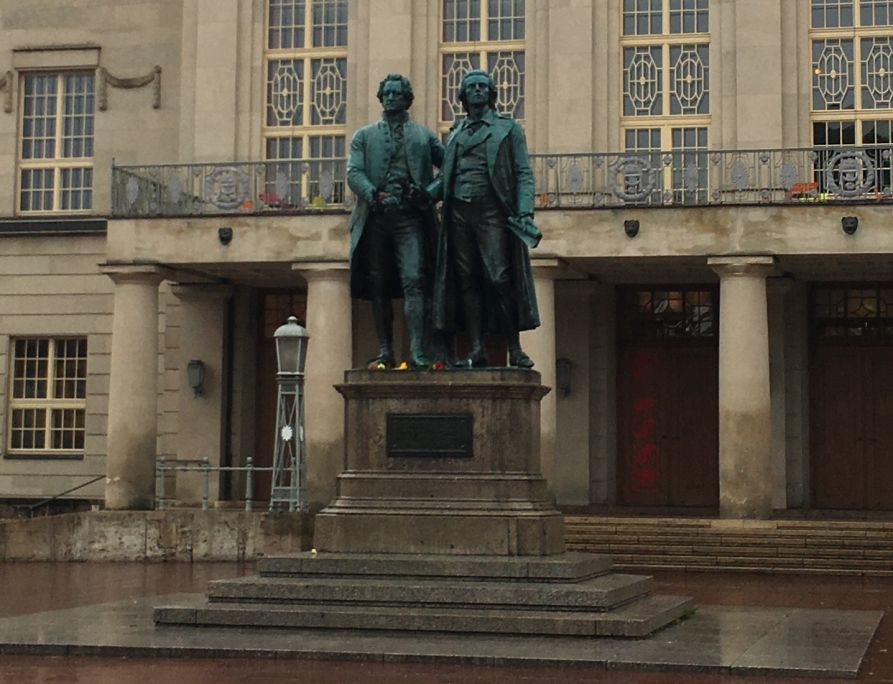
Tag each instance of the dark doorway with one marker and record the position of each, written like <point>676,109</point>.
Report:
<point>667,394</point>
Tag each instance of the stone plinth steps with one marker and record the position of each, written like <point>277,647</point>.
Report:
<point>571,594</point>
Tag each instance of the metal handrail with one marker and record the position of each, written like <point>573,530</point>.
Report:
<point>33,507</point>
<point>203,466</point>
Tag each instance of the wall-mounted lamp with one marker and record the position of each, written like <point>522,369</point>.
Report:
<point>195,374</point>
<point>631,227</point>
<point>849,224</point>
<point>563,372</point>
<point>225,235</point>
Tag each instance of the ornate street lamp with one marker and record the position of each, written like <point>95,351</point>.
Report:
<point>288,456</point>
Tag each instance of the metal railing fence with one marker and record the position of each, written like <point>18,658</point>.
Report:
<point>229,188</point>
<point>589,180</point>
<point>203,466</point>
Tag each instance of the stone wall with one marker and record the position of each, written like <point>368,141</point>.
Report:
<point>187,535</point>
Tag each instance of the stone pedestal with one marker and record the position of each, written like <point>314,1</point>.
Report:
<point>442,463</point>
<point>442,523</point>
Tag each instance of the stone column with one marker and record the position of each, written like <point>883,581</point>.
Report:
<point>745,426</point>
<point>201,418</point>
<point>133,388</point>
<point>540,345</point>
<point>328,356</point>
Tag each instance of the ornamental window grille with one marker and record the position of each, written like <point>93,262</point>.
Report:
<point>686,78</point>
<point>833,78</point>
<point>305,117</point>
<point>666,67</point>
<point>667,313</point>
<point>854,312</point>
<point>56,142</point>
<point>482,34</point>
<point>48,390</point>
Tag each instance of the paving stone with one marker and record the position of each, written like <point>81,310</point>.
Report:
<point>716,639</point>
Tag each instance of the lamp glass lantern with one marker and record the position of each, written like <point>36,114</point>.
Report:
<point>291,347</point>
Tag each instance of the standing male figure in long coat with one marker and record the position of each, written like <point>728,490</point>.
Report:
<point>483,277</point>
<point>392,226</point>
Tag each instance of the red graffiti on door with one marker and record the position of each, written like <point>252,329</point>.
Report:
<point>645,470</point>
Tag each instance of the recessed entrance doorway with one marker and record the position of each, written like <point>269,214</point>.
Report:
<point>851,397</point>
<point>667,396</point>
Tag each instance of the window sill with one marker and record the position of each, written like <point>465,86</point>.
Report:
<point>43,457</point>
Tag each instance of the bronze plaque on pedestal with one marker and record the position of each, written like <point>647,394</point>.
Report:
<point>445,435</point>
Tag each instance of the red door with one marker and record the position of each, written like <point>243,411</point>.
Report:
<point>667,426</point>
<point>667,398</point>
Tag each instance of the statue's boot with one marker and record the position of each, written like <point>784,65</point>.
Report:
<point>517,357</point>
<point>474,327</point>
<point>414,311</point>
<point>383,319</point>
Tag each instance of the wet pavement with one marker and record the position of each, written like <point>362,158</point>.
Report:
<point>26,589</point>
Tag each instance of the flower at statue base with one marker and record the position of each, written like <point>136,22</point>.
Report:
<point>438,365</point>
<point>403,366</point>
<point>378,365</point>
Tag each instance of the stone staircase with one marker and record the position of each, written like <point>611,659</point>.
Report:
<point>568,594</point>
<point>850,547</point>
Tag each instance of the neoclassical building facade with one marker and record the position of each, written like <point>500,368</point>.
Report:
<point>713,186</point>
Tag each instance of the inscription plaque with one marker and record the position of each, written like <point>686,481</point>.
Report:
<point>443,435</point>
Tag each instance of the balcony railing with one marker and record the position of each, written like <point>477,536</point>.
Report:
<point>563,181</point>
<point>229,188</point>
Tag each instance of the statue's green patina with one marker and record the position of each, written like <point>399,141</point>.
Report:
<point>392,227</point>
<point>483,279</point>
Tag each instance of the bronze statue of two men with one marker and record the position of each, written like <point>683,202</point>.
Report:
<point>471,273</point>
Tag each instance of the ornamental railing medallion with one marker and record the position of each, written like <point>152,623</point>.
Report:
<point>851,173</point>
<point>634,178</point>
<point>226,187</point>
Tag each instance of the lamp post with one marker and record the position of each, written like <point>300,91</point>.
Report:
<point>288,456</point>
